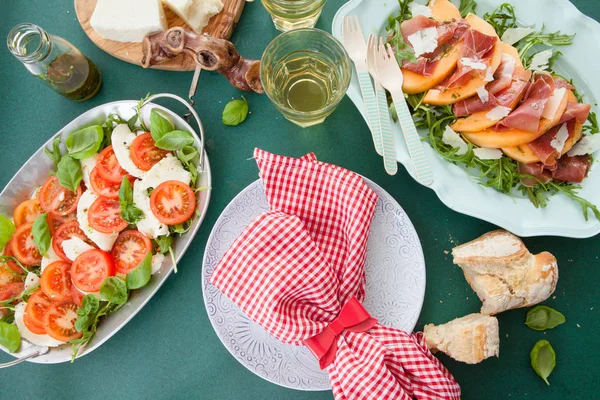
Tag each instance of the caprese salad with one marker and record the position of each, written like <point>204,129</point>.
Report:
<point>98,227</point>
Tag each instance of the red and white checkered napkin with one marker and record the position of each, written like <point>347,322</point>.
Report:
<point>294,268</point>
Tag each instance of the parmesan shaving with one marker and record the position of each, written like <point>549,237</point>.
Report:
<point>497,113</point>
<point>483,94</point>
<point>587,145</point>
<point>540,61</point>
<point>558,143</point>
<point>489,75</point>
<point>453,139</point>
<point>424,41</point>
<point>553,103</point>
<point>513,35</point>
<point>473,63</point>
<point>419,9</point>
<point>509,65</point>
<point>488,154</point>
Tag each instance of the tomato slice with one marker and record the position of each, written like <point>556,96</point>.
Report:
<point>55,281</point>
<point>55,220</point>
<point>67,231</point>
<point>129,250</point>
<point>59,321</point>
<point>24,247</point>
<point>56,199</point>
<point>12,264</point>
<point>173,202</point>
<point>108,166</point>
<point>90,269</point>
<point>144,153</point>
<point>104,216</point>
<point>105,188</point>
<point>76,295</point>
<point>35,310</point>
<point>27,212</point>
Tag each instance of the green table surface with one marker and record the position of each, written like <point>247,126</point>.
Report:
<point>169,350</point>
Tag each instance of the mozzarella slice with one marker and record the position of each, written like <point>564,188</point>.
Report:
<point>87,165</point>
<point>31,281</point>
<point>453,139</point>
<point>121,141</point>
<point>513,35</point>
<point>497,113</point>
<point>488,154</point>
<point>157,261</point>
<point>49,258</point>
<point>102,240</point>
<point>74,247</point>
<point>553,103</point>
<point>38,340</point>
<point>424,41</point>
<point>587,145</point>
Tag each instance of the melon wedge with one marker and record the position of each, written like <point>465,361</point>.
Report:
<point>444,10</point>
<point>515,137</point>
<point>452,95</point>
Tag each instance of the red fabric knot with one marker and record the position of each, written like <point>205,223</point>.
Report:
<point>353,317</point>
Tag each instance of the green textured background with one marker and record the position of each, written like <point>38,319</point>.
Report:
<point>169,350</point>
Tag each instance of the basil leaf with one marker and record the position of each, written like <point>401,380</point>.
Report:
<point>114,290</point>
<point>175,140</point>
<point>125,192</point>
<point>543,359</point>
<point>69,173</point>
<point>187,154</point>
<point>235,112</point>
<point>89,304</point>
<point>82,322</point>
<point>10,336</point>
<point>41,233</point>
<point>140,276</point>
<point>164,242</point>
<point>54,154</point>
<point>129,211</point>
<point>159,125</point>
<point>541,318</point>
<point>85,142</point>
<point>7,228</point>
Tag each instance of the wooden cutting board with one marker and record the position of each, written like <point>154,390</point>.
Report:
<point>221,26</point>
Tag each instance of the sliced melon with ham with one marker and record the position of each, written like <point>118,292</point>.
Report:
<point>444,11</point>
<point>453,94</point>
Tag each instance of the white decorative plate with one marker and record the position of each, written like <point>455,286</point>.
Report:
<point>454,187</point>
<point>395,275</point>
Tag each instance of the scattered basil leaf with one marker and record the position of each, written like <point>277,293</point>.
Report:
<point>7,228</point>
<point>54,154</point>
<point>85,142</point>
<point>235,112</point>
<point>10,336</point>
<point>82,322</point>
<point>69,173</point>
<point>129,211</point>
<point>140,276</point>
<point>114,290</point>
<point>41,233</point>
<point>175,140</point>
<point>543,359</point>
<point>159,125</point>
<point>164,242</point>
<point>89,304</point>
<point>541,318</point>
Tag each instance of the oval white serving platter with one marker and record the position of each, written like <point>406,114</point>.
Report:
<point>35,171</point>
<point>455,188</point>
<point>395,289</point>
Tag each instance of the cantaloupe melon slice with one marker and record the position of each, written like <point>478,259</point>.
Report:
<point>452,95</point>
<point>515,137</point>
<point>524,154</point>
<point>441,10</point>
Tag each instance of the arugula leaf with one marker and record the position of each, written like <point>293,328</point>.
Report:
<point>235,112</point>
<point>69,173</point>
<point>41,233</point>
<point>107,128</point>
<point>85,142</point>
<point>591,128</point>
<point>140,276</point>
<point>138,113</point>
<point>502,18</point>
<point>543,359</point>
<point>54,154</point>
<point>541,38</point>
<point>10,336</point>
<point>7,228</point>
<point>159,125</point>
<point>541,318</point>
<point>467,7</point>
<point>129,211</point>
<point>175,140</point>
<point>402,50</point>
<point>569,190</point>
<point>114,290</point>
<point>188,156</point>
<point>164,242</point>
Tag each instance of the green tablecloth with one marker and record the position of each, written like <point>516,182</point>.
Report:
<point>169,350</point>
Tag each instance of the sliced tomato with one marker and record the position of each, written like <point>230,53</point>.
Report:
<point>108,166</point>
<point>35,310</point>
<point>104,216</point>
<point>173,202</point>
<point>55,220</point>
<point>59,321</point>
<point>76,295</point>
<point>23,246</point>
<point>144,153</point>
<point>12,264</point>
<point>27,212</point>
<point>65,232</point>
<point>129,250</point>
<point>32,326</point>
<point>57,199</point>
<point>90,269</point>
<point>105,188</point>
<point>55,281</point>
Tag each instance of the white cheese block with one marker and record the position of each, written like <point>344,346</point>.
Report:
<point>121,141</point>
<point>553,103</point>
<point>453,139</point>
<point>200,13</point>
<point>128,20</point>
<point>497,113</point>
<point>424,41</point>
<point>38,340</point>
<point>157,261</point>
<point>87,165</point>
<point>31,281</point>
<point>104,241</point>
<point>74,246</point>
<point>513,35</point>
<point>488,154</point>
<point>587,145</point>
<point>49,258</point>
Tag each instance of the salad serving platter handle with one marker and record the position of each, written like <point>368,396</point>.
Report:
<point>39,352</point>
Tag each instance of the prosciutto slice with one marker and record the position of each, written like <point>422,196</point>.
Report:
<point>476,47</point>
<point>572,169</point>
<point>538,173</point>
<point>505,98</point>
<point>527,116</point>
<point>577,111</point>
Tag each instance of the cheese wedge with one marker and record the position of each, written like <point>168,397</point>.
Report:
<point>195,13</point>
<point>128,21</point>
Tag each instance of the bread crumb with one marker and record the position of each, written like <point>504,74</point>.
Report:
<point>441,302</point>
<point>446,252</point>
<point>507,335</point>
<point>579,326</point>
<point>591,308</point>
<point>553,297</point>
<point>467,298</point>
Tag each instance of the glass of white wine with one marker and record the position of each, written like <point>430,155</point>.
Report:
<point>305,73</point>
<point>294,14</point>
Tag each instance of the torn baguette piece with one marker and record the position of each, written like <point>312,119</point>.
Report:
<point>470,339</point>
<point>504,274</point>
